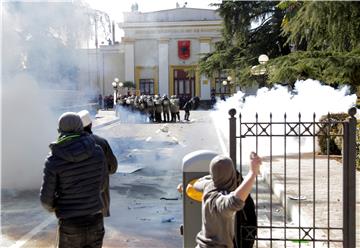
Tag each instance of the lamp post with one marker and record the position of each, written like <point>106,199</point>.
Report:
<point>260,70</point>
<point>115,87</point>
<point>121,85</point>
<point>228,81</point>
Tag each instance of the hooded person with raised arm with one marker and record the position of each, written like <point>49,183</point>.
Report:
<point>222,198</point>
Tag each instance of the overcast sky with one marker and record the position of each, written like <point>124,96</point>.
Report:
<point>115,8</point>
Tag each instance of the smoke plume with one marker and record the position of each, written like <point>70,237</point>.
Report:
<point>308,97</point>
<point>42,64</point>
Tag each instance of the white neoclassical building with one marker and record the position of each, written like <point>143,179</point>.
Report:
<point>159,52</point>
<point>162,50</point>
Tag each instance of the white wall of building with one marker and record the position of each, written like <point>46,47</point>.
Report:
<point>151,44</point>
<point>100,69</point>
<point>205,82</point>
<point>112,68</point>
<point>129,62</point>
<point>89,73</point>
<point>146,52</point>
<point>163,67</point>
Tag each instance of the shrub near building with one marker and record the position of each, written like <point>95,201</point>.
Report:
<point>335,142</point>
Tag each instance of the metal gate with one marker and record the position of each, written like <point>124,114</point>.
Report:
<point>316,193</point>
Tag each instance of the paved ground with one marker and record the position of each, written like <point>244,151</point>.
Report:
<point>137,208</point>
<point>324,208</point>
<point>141,218</point>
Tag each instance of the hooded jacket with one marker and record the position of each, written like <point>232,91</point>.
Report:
<point>73,177</point>
<point>219,204</point>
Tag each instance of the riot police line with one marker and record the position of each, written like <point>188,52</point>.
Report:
<point>153,109</point>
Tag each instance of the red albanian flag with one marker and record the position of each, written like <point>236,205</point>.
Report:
<point>184,49</point>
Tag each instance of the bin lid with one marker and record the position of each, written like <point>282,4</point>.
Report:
<point>192,192</point>
<point>198,161</point>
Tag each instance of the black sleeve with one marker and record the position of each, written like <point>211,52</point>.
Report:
<point>48,188</point>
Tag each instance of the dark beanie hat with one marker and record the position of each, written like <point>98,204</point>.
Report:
<point>70,122</point>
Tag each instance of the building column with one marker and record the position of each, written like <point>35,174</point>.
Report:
<point>164,67</point>
<point>205,81</point>
<point>100,70</point>
<point>129,60</point>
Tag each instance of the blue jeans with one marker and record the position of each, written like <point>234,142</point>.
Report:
<point>81,232</point>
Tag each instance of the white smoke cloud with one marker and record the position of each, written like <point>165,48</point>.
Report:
<point>41,66</point>
<point>308,97</point>
<point>28,128</point>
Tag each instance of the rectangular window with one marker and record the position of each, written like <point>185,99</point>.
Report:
<point>193,86</point>
<point>176,87</point>
<point>152,91</point>
<point>184,84</point>
<point>187,87</point>
<point>147,86</point>
<point>142,87</point>
<point>220,88</point>
<point>181,87</point>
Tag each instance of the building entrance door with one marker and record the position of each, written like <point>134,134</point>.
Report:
<point>184,84</point>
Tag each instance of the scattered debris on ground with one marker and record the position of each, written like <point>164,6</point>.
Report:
<point>169,199</point>
<point>168,219</point>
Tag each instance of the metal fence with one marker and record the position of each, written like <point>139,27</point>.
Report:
<point>330,219</point>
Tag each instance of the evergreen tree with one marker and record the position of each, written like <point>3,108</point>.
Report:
<point>324,37</point>
<point>328,33</point>
<point>250,28</point>
<point>331,25</point>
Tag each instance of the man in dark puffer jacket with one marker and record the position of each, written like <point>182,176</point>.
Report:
<point>72,185</point>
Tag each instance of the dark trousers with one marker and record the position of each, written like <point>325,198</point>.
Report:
<point>187,115</point>
<point>157,117</point>
<point>173,117</point>
<point>151,116</point>
<point>166,116</point>
<point>81,232</point>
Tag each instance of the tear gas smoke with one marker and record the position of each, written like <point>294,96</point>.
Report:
<point>307,97</point>
<point>41,59</point>
<point>127,116</point>
<point>28,127</point>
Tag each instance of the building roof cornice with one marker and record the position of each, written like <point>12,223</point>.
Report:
<point>168,24</point>
<point>172,15</point>
<point>167,10</point>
